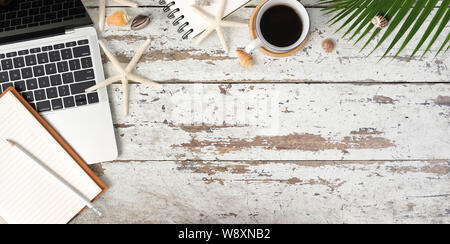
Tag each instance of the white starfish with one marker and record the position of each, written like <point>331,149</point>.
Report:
<point>216,23</point>
<point>126,74</point>
<point>102,11</point>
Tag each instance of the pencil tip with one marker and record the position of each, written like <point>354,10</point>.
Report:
<point>10,142</point>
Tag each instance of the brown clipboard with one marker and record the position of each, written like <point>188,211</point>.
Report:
<point>61,141</point>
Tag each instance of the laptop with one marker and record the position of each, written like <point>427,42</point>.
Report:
<point>49,52</point>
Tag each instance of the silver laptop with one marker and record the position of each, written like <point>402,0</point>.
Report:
<point>49,52</point>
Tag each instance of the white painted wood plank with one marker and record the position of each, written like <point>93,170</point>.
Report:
<point>284,122</point>
<point>273,192</point>
<point>171,59</point>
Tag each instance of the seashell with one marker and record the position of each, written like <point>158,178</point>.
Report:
<point>140,22</point>
<point>379,21</point>
<point>245,59</point>
<point>328,45</point>
<point>118,18</point>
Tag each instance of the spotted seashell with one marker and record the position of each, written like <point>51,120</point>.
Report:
<point>379,21</point>
<point>328,45</point>
<point>140,22</point>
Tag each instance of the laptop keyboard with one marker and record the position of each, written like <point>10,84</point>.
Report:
<point>51,77</point>
<point>31,13</point>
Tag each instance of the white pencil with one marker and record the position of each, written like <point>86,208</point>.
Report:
<point>57,177</point>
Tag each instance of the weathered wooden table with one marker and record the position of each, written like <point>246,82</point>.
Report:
<point>313,138</point>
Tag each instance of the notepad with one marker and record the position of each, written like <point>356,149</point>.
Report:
<point>188,22</point>
<point>27,193</point>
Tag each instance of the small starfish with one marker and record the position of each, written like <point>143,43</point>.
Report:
<point>125,74</point>
<point>216,23</point>
<point>102,11</point>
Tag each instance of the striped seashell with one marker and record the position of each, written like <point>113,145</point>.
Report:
<point>140,22</point>
<point>379,21</point>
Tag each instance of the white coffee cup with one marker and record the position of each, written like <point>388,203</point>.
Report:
<point>260,41</point>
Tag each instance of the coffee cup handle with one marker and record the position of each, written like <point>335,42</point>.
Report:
<point>253,45</point>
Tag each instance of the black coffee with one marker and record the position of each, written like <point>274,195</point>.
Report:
<point>281,26</point>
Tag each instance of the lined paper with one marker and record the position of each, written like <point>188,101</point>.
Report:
<point>27,193</point>
<point>197,23</point>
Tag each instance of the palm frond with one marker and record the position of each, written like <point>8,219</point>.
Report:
<point>391,12</point>
<point>438,31</point>
<point>368,15</point>
<point>408,22</point>
<point>346,9</point>
<point>384,8</point>
<point>351,18</point>
<point>432,25</point>
<point>408,15</point>
<point>403,11</point>
<point>426,11</point>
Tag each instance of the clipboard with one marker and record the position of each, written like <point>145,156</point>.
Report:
<point>61,141</point>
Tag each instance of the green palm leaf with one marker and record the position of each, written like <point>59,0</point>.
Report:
<point>345,10</point>
<point>391,12</point>
<point>418,24</point>
<point>335,6</point>
<point>383,9</point>
<point>368,15</point>
<point>446,41</point>
<point>408,22</point>
<point>351,18</point>
<point>439,30</point>
<point>433,24</point>
<point>395,22</point>
<point>408,15</point>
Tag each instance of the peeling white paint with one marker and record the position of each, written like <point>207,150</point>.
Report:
<point>367,192</point>
<point>337,121</point>
<point>148,183</point>
<point>172,59</point>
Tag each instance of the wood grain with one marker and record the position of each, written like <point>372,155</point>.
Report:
<point>284,122</point>
<point>220,144</point>
<point>274,192</point>
<point>173,60</point>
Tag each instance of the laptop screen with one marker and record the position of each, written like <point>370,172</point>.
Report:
<point>26,19</point>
